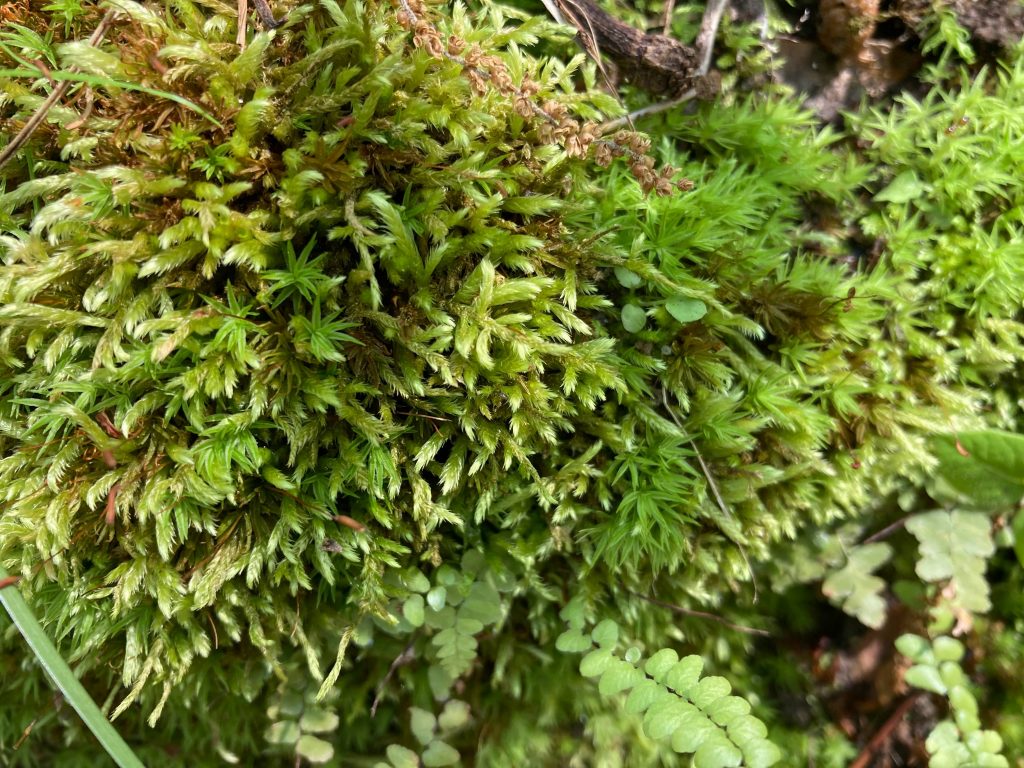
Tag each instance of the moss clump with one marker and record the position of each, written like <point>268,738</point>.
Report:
<point>349,357</point>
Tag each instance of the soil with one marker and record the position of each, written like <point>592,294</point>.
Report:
<point>844,50</point>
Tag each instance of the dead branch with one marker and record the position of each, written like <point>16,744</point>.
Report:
<point>55,95</point>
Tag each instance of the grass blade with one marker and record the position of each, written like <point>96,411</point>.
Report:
<point>65,679</point>
<point>99,82</point>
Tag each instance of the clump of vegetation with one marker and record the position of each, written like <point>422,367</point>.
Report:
<point>343,364</point>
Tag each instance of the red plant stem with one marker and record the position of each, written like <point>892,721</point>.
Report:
<point>864,758</point>
<point>112,504</point>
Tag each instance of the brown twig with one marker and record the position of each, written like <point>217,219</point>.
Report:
<point>78,122</point>
<point>110,516</point>
<point>670,8</point>
<point>712,485</point>
<point>650,109</point>
<point>404,657</point>
<point>243,18</point>
<point>887,531</point>
<point>864,758</point>
<point>55,95</point>
<point>692,613</point>
<point>705,45</point>
<point>266,15</point>
<point>216,548</point>
<point>24,734</point>
<point>708,29</point>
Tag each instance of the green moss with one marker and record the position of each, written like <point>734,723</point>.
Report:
<point>253,377</point>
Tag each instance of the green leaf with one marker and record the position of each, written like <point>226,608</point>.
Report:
<point>904,188</point>
<point>62,676</point>
<point>984,468</point>
<point>573,641</point>
<point>686,310</point>
<point>745,729</point>
<point>955,546</point>
<point>596,662</point>
<point>659,665</point>
<point>952,674</point>
<point>606,633</point>
<point>468,626</point>
<point>412,609</point>
<point>709,690</point>
<point>644,695</point>
<point>439,754</point>
<point>619,676</point>
<point>727,709</point>
<point>416,581</point>
<point>473,562</point>
<point>283,732</point>
<point>914,647</point>
<point>856,589</point>
<point>443,619</point>
<point>422,724</point>
<point>1018,536</point>
<point>717,753</point>
<point>947,648</point>
<point>436,598</point>
<point>684,674</point>
<point>292,703</point>
<point>318,720</point>
<point>627,278</point>
<point>761,753</point>
<point>985,741</point>
<point>440,680</point>
<point>455,715</point>
<point>633,318</point>
<point>926,677</point>
<point>402,757</point>
<point>693,730</point>
<point>967,722</point>
<point>991,761</point>
<point>574,613</point>
<point>943,736</point>
<point>483,603</point>
<point>664,718</point>
<point>314,749</point>
<point>961,698</point>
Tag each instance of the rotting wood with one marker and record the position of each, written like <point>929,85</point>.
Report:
<point>654,63</point>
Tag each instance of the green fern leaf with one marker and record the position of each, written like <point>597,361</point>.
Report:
<point>954,547</point>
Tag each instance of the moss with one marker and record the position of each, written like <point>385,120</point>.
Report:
<point>267,378</point>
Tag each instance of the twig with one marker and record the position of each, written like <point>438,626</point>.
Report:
<point>24,734</point>
<point>74,125</point>
<point>708,29</point>
<point>887,531</point>
<point>705,45</point>
<point>670,8</point>
<point>403,658</point>
<point>712,485</point>
<point>243,18</point>
<point>216,548</point>
<point>266,15</point>
<point>55,95</point>
<point>702,615</point>
<point>553,9</point>
<point>652,109</point>
<point>864,758</point>
<point>588,38</point>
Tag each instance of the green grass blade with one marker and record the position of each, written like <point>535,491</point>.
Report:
<point>65,679</point>
<point>107,82</point>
